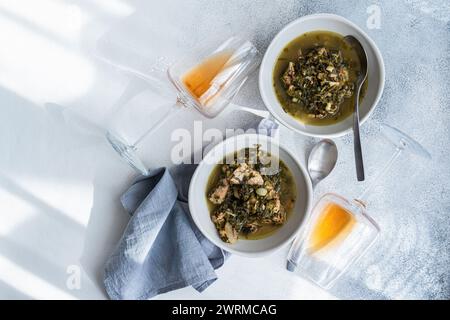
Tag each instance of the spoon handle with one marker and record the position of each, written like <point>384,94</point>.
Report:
<point>357,142</point>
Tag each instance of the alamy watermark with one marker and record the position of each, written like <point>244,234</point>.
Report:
<point>374,19</point>
<point>73,281</point>
<point>191,146</point>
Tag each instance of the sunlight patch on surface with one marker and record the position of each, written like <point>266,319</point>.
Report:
<point>34,73</point>
<point>63,20</point>
<point>24,281</point>
<point>302,289</point>
<point>73,199</point>
<point>15,211</point>
<point>114,7</point>
<point>21,199</point>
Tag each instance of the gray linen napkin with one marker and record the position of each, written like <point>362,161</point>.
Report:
<point>161,248</point>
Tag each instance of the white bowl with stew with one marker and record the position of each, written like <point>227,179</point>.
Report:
<point>314,23</point>
<point>200,207</point>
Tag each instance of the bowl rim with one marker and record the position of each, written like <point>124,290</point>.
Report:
<point>308,198</point>
<point>372,44</point>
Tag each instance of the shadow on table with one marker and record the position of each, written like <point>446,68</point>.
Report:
<point>107,219</point>
<point>45,243</point>
<point>43,229</point>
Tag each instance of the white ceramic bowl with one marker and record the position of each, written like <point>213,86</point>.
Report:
<point>198,201</point>
<point>315,22</point>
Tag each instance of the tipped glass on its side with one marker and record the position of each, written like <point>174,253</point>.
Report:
<point>339,231</point>
<point>337,234</point>
<point>206,80</point>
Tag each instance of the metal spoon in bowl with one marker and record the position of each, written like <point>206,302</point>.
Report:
<point>322,160</point>
<point>359,82</point>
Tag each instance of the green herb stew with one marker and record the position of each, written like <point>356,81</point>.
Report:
<point>249,197</point>
<point>314,78</point>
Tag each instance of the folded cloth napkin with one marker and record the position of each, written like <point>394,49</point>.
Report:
<point>162,249</point>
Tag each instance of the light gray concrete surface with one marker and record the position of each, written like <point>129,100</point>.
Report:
<point>60,186</point>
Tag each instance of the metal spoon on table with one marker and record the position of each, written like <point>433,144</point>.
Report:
<point>359,82</point>
<point>321,162</point>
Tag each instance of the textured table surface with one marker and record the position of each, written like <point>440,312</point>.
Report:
<point>59,186</point>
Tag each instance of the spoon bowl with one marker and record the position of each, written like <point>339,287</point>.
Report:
<point>321,160</point>
<point>362,57</point>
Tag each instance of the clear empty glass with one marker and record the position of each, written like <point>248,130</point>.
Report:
<point>339,231</point>
<point>206,80</point>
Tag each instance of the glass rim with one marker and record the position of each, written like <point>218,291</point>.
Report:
<point>186,98</point>
<point>353,202</point>
<point>294,265</point>
<point>183,95</point>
